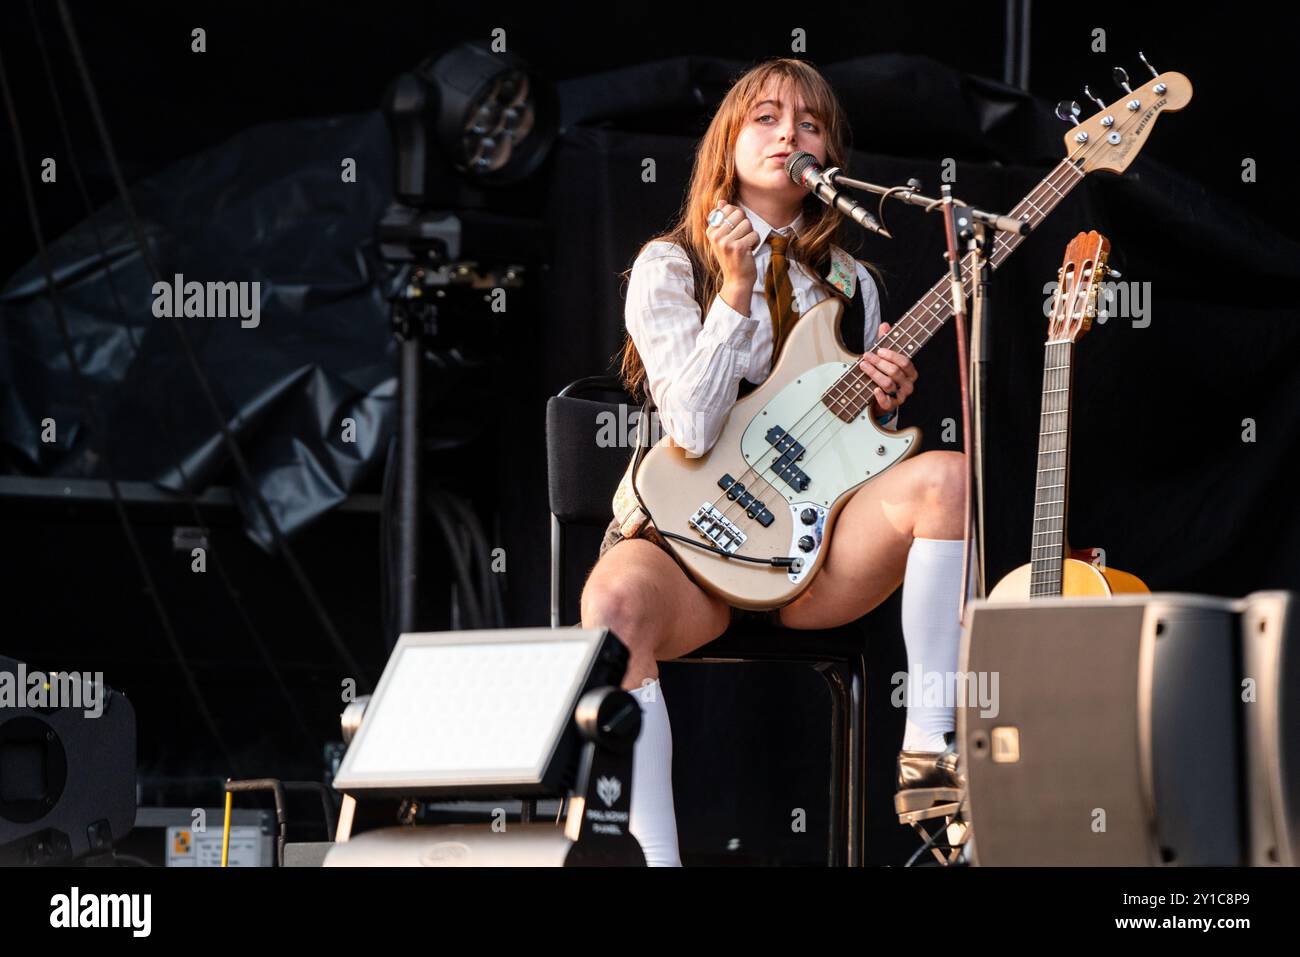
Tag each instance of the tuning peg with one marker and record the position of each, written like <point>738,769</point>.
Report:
<point>1159,87</point>
<point>1069,111</point>
<point>1120,76</point>
<point>1107,121</point>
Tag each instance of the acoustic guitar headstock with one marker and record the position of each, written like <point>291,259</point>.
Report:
<point>1082,272</point>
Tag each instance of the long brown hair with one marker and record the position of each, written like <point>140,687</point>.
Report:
<point>713,177</point>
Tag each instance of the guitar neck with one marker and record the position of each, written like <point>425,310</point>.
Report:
<point>923,320</point>
<point>852,393</point>
<point>1051,496</point>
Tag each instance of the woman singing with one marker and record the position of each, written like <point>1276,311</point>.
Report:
<point>710,304</point>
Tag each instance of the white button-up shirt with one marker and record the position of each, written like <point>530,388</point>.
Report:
<point>694,370</point>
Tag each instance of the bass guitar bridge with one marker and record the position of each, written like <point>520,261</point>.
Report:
<point>709,521</point>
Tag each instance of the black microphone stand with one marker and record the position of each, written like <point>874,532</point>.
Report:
<point>979,240</point>
<point>975,229</point>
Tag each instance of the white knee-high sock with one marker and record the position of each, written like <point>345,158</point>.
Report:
<point>932,635</point>
<point>653,821</point>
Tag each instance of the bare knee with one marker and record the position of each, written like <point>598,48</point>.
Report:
<point>944,473</point>
<point>941,494</point>
<point>625,605</point>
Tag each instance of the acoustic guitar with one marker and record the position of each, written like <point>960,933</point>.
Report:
<point>1054,569</point>
<point>752,519</point>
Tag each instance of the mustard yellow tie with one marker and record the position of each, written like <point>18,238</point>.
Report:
<point>779,293</point>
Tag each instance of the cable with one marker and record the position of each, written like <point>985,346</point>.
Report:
<point>489,581</point>
<point>241,465</point>
<point>499,581</point>
<point>780,561</point>
<point>438,508</point>
<point>387,560</point>
<point>120,308</point>
<point>93,420</point>
<point>929,843</point>
<point>129,860</point>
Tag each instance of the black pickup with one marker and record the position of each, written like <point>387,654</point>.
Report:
<point>790,452</point>
<point>752,506</point>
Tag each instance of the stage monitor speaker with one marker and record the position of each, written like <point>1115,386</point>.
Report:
<point>67,766</point>
<point>1113,738</point>
<point>1271,701</point>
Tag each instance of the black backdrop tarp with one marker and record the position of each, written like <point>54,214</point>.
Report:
<point>269,206</point>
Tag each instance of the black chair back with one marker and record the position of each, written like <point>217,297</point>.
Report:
<point>583,468</point>
<point>587,451</point>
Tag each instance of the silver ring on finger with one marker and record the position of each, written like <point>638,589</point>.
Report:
<point>716,217</point>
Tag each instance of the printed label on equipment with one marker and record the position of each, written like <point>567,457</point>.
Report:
<point>190,848</point>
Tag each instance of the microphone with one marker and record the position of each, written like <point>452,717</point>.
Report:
<point>804,169</point>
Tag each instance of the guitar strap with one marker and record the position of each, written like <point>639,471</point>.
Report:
<point>629,510</point>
